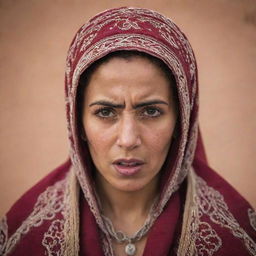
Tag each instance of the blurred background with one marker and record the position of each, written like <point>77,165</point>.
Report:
<point>34,38</point>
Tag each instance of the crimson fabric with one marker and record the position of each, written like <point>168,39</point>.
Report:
<point>31,243</point>
<point>225,222</point>
<point>158,243</point>
<point>237,205</point>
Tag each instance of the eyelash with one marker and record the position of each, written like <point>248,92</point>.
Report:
<point>142,114</point>
<point>150,108</point>
<point>99,111</point>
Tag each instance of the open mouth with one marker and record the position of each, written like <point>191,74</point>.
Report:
<point>128,167</point>
<point>128,164</point>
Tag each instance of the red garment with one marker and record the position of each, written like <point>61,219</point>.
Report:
<point>198,213</point>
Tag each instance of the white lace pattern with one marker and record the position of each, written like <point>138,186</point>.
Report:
<point>48,204</point>
<point>252,218</point>
<point>3,235</point>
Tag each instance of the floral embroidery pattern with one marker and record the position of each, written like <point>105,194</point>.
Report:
<point>48,204</point>
<point>198,237</point>
<point>54,239</point>
<point>212,204</point>
<point>207,241</point>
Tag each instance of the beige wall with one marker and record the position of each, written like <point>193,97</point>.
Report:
<point>34,40</point>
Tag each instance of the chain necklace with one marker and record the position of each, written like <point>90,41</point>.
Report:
<point>130,247</point>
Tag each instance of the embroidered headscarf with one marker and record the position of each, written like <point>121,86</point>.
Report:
<point>149,32</point>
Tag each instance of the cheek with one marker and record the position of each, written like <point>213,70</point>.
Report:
<point>99,138</point>
<point>96,141</point>
<point>160,143</point>
<point>159,138</point>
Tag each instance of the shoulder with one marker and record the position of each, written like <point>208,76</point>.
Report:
<point>21,209</point>
<point>234,200</point>
<point>38,204</point>
<point>223,206</point>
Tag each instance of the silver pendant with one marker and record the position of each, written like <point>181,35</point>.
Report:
<point>130,249</point>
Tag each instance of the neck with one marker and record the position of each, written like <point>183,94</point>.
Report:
<point>126,205</point>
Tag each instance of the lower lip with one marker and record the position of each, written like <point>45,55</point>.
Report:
<point>127,170</point>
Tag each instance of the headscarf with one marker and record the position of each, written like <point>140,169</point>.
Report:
<point>191,217</point>
<point>149,32</point>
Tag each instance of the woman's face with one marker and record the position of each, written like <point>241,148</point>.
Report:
<point>129,118</point>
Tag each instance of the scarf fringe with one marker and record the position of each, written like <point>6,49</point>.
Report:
<point>71,228</point>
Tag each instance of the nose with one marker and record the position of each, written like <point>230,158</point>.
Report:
<point>128,133</point>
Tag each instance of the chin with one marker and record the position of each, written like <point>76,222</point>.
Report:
<point>129,186</point>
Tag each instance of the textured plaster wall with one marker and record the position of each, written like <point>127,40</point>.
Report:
<point>34,38</point>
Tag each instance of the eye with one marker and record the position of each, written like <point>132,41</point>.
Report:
<point>151,112</point>
<point>105,113</point>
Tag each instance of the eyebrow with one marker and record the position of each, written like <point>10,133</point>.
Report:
<point>139,105</point>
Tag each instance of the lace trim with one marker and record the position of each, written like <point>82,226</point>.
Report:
<point>62,237</point>
<point>197,237</point>
<point>252,218</point>
<point>48,204</point>
<point>3,235</point>
<point>107,245</point>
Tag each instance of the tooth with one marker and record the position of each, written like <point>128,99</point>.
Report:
<point>128,164</point>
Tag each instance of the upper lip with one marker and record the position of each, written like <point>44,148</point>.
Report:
<point>128,161</point>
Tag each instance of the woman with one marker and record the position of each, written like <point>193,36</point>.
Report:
<point>138,182</point>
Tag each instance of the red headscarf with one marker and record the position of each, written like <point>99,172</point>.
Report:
<point>149,32</point>
<point>198,213</point>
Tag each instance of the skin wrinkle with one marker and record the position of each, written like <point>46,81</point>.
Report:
<point>138,105</point>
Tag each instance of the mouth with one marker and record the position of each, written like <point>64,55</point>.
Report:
<point>128,167</point>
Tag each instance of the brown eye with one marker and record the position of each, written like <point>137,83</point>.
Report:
<point>151,112</point>
<point>105,113</point>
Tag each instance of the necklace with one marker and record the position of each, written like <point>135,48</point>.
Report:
<point>130,247</point>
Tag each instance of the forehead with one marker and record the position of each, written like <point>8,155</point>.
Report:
<point>135,75</point>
